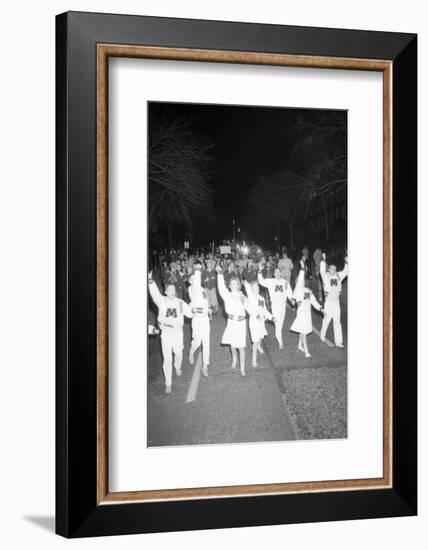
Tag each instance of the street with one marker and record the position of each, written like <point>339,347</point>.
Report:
<point>286,397</point>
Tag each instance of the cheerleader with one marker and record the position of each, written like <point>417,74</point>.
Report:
<point>201,310</point>
<point>170,321</point>
<point>332,283</point>
<point>305,299</point>
<point>235,303</point>
<point>258,315</point>
<point>279,291</point>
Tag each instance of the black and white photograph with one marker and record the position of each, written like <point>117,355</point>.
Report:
<point>248,274</point>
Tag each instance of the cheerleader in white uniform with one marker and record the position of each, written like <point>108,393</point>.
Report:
<point>332,282</point>
<point>170,320</point>
<point>258,315</point>
<point>279,291</point>
<point>235,303</point>
<point>304,298</point>
<point>201,310</point>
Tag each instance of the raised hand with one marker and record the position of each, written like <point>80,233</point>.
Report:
<point>150,275</point>
<point>323,256</point>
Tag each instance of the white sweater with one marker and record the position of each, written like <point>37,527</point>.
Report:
<point>332,283</point>
<point>171,310</point>
<point>279,289</point>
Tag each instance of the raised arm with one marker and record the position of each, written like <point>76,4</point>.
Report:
<point>344,273</point>
<point>247,288</point>
<point>196,285</point>
<point>154,291</point>
<point>300,283</point>
<point>323,267</point>
<point>221,286</point>
<point>262,281</point>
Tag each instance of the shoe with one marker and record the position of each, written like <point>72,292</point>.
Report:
<point>340,346</point>
<point>300,347</point>
<point>307,354</point>
<point>191,358</point>
<point>255,364</point>
<point>281,346</point>
<point>168,389</point>
<point>205,371</point>
<point>233,364</point>
<point>322,339</point>
<point>178,372</point>
<point>260,349</point>
<point>242,373</point>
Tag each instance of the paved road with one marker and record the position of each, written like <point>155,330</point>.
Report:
<point>287,397</point>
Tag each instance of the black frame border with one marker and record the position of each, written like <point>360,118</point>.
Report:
<point>77,512</point>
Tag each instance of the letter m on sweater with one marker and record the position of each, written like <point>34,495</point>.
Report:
<point>279,288</point>
<point>171,312</point>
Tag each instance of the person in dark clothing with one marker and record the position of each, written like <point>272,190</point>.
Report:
<point>250,273</point>
<point>230,273</point>
<point>209,282</point>
<point>174,277</point>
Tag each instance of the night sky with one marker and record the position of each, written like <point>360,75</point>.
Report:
<point>249,142</point>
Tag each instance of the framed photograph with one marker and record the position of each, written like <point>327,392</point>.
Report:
<point>236,274</point>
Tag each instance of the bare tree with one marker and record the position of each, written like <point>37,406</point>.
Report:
<point>179,170</point>
<point>319,155</point>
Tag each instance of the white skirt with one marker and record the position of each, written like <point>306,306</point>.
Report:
<point>235,334</point>
<point>257,329</point>
<point>303,322</point>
